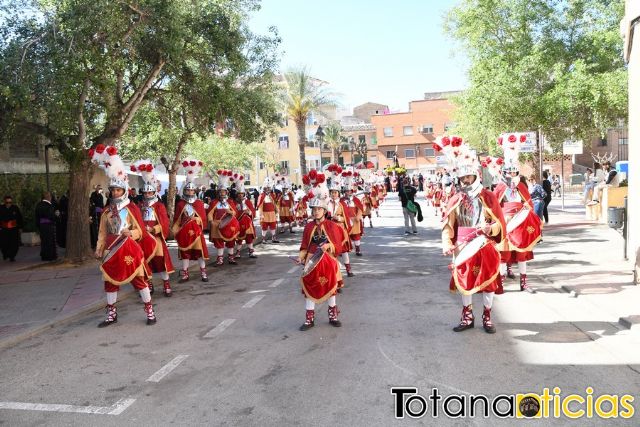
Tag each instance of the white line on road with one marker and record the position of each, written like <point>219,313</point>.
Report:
<point>253,301</point>
<point>292,270</point>
<point>116,409</point>
<point>162,372</point>
<point>220,328</point>
<point>276,283</point>
<point>257,291</point>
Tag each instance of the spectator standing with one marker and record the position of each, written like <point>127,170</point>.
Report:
<point>546,186</point>
<point>10,225</point>
<point>96,206</point>
<point>407,193</point>
<point>211,192</point>
<point>537,196</point>
<point>420,182</point>
<point>46,224</point>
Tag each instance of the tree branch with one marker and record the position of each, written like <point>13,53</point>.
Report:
<point>82,130</point>
<point>119,87</point>
<point>135,99</point>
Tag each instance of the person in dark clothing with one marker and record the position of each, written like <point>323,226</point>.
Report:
<point>10,225</point>
<point>387,183</point>
<point>546,186</point>
<point>164,197</point>
<point>61,223</point>
<point>96,206</point>
<point>407,192</point>
<point>420,182</point>
<point>256,195</point>
<point>211,192</point>
<point>46,223</point>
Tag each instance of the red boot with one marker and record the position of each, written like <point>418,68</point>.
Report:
<point>309,322</point>
<point>500,289</point>
<point>487,324</point>
<point>333,316</point>
<point>467,319</point>
<point>203,274</point>
<point>167,289</point>
<point>184,276</point>
<point>219,260</point>
<point>232,260</point>
<point>510,274</point>
<point>151,316</point>
<point>524,286</point>
<point>112,316</point>
<point>358,251</point>
<point>349,272</point>
<point>150,284</point>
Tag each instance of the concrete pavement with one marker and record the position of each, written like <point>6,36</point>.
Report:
<point>228,352</point>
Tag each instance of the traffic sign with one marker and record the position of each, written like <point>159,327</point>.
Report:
<point>529,146</point>
<point>572,147</point>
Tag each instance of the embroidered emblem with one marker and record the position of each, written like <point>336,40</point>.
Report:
<point>191,232</point>
<point>322,280</point>
<point>530,229</point>
<point>476,270</point>
<point>128,260</point>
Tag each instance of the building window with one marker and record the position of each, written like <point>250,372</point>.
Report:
<point>449,126</point>
<point>283,142</point>
<point>388,131</point>
<point>429,152</point>
<point>284,167</point>
<point>409,153</point>
<point>390,154</point>
<point>362,138</point>
<point>374,140</point>
<point>407,130</point>
<point>426,129</point>
<point>623,141</point>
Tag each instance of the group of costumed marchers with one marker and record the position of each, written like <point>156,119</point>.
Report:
<point>475,232</point>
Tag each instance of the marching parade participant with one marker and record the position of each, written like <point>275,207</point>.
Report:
<point>224,226</point>
<point>268,211</point>
<point>338,213</point>
<point>301,207</point>
<point>245,213</point>
<point>368,204</point>
<point>286,206</point>
<point>189,222</point>
<point>524,227</point>
<point>472,225</point>
<point>120,230</point>
<point>375,197</point>
<point>354,209</point>
<point>438,195</point>
<point>319,249</point>
<point>156,223</point>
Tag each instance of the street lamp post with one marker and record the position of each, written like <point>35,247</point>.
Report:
<point>320,137</point>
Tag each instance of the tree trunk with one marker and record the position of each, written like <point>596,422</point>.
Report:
<point>171,195</point>
<point>301,147</point>
<point>333,156</point>
<point>78,237</point>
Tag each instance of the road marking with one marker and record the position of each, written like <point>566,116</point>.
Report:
<point>292,270</point>
<point>253,301</point>
<point>116,409</point>
<point>257,291</point>
<point>220,328</point>
<point>276,283</point>
<point>162,372</point>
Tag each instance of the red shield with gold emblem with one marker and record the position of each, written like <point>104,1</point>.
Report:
<point>229,228</point>
<point>245,222</point>
<point>524,230</point>
<point>476,266</point>
<point>188,234</point>
<point>124,262</point>
<point>319,278</point>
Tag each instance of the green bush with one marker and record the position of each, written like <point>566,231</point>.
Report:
<point>26,191</point>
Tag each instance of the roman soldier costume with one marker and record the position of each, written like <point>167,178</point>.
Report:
<point>338,212</point>
<point>267,207</point>
<point>286,206</point>
<point>354,209</point>
<point>368,204</point>
<point>156,223</point>
<point>472,225</point>
<point>120,232</point>
<point>188,223</point>
<point>245,213</point>
<point>301,208</point>
<point>524,226</point>
<point>319,248</point>
<point>224,226</point>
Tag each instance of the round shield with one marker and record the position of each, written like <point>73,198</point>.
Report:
<point>524,230</point>
<point>320,276</point>
<point>229,228</point>
<point>188,234</point>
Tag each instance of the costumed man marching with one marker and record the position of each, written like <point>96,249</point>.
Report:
<point>375,198</point>
<point>319,249</point>
<point>121,228</point>
<point>268,211</point>
<point>524,228</point>
<point>10,224</point>
<point>354,209</point>
<point>224,227</point>
<point>245,213</point>
<point>286,206</point>
<point>472,225</point>
<point>301,207</point>
<point>338,213</point>
<point>368,204</point>
<point>156,223</point>
<point>188,222</point>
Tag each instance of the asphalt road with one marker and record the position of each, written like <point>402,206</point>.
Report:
<point>229,352</point>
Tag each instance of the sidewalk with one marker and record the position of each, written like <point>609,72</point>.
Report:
<point>38,295</point>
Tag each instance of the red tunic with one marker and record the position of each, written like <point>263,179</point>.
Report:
<point>338,213</point>
<point>158,219</point>
<point>267,209</point>
<point>245,212</point>
<point>199,248</point>
<point>285,208</point>
<point>511,208</point>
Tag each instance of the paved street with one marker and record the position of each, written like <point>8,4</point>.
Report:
<point>229,352</point>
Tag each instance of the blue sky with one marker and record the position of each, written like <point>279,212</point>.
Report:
<point>380,51</point>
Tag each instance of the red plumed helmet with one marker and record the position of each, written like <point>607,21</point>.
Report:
<point>149,167</point>
<point>133,168</point>
<point>219,172</point>
<point>305,180</point>
<point>185,164</point>
<point>91,152</point>
<point>192,163</point>
<point>112,151</point>
<point>241,177</point>
<point>499,161</point>
<point>313,174</point>
<point>445,141</point>
<point>100,148</point>
<point>487,161</point>
<point>320,178</point>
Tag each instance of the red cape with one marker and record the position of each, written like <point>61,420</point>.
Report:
<point>489,202</point>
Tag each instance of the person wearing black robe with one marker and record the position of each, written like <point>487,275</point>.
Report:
<point>61,224</point>
<point>96,206</point>
<point>46,223</point>
<point>10,225</point>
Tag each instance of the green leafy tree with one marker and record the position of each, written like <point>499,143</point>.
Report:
<point>301,95</point>
<point>224,153</point>
<point>334,139</point>
<point>78,72</point>
<point>552,66</point>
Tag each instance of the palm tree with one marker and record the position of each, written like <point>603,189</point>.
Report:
<point>334,139</point>
<point>302,95</point>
